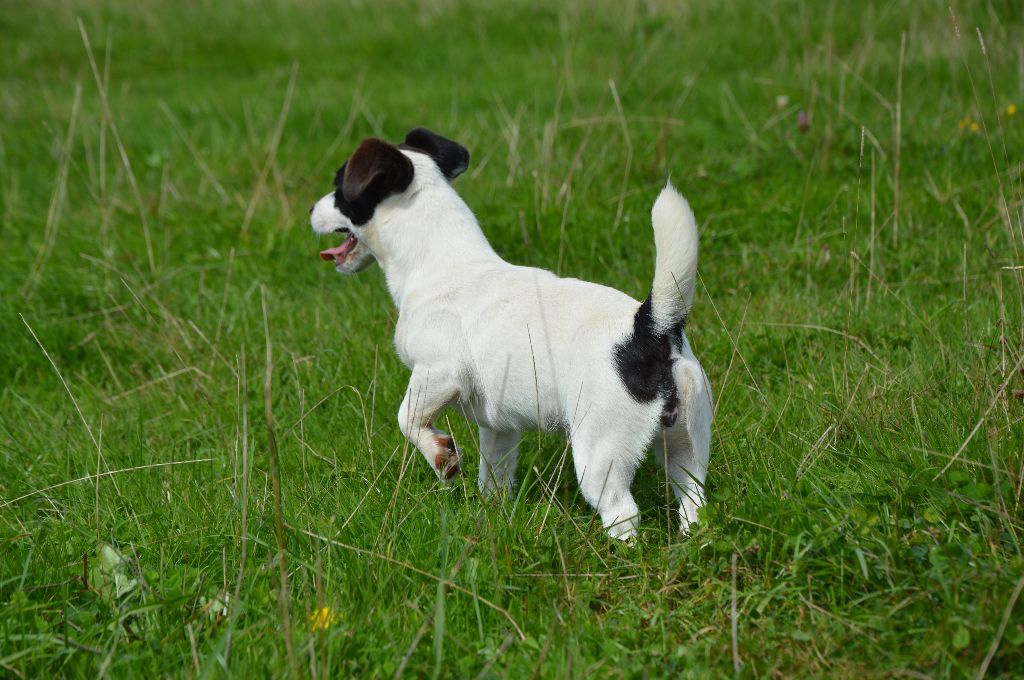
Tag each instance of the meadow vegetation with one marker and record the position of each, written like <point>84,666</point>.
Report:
<point>856,171</point>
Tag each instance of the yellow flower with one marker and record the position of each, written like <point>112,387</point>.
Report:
<point>1011,110</point>
<point>964,122</point>
<point>323,618</point>
<point>975,127</point>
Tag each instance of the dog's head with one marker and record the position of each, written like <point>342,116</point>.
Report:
<point>377,175</point>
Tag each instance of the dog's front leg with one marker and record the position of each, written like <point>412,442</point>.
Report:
<point>429,392</point>
<point>499,452</point>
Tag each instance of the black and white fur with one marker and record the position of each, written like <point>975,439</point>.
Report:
<point>518,348</point>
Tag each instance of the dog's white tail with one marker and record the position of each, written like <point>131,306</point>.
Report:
<point>675,268</point>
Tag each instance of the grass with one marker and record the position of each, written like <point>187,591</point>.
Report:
<point>857,174</point>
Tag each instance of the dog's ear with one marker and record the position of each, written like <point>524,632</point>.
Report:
<point>376,170</point>
<point>451,157</point>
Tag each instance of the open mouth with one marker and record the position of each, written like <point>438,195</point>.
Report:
<point>340,254</point>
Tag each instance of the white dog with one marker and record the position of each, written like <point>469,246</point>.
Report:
<point>517,348</point>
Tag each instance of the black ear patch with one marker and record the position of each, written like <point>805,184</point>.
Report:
<point>375,171</point>
<point>375,167</point>
<point>451,157</point>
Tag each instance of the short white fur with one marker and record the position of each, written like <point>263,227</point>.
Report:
<point>517,348</point>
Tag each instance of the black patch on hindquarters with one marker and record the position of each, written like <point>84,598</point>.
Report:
<point>670,412</point>
<point>375,171</point>
<point>644,362</point>
<point>451,157</point>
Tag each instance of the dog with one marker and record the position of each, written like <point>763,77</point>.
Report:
<point>517,348</point>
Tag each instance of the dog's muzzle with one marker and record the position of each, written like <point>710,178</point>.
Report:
<point>340,254</point>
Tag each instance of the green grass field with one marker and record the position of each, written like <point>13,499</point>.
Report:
<point>856,171</point>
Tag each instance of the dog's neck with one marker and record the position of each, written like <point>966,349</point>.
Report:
<point>426,236</point>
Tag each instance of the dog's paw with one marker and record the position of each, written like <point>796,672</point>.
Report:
<point>687,516</point>
<point>447,460</point>
<point>492,488</point>
<point>624,529</point>
<point>623,532</point>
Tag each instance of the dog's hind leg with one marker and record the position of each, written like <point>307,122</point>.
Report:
<point>683,449</point>
<point>429,392</point>
<point>605,467</point>
<point>499,452</point>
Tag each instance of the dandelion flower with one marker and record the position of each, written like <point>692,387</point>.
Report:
<point>1011,110</point>
<point>975,127</point>
<point>964,122</point>
<point>323,618</point>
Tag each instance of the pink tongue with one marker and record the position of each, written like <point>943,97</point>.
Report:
<point>338,253</point>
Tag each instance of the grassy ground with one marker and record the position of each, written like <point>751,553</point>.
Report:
<point>856,171</point>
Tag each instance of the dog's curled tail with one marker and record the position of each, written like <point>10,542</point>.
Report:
<point>675,268</point>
